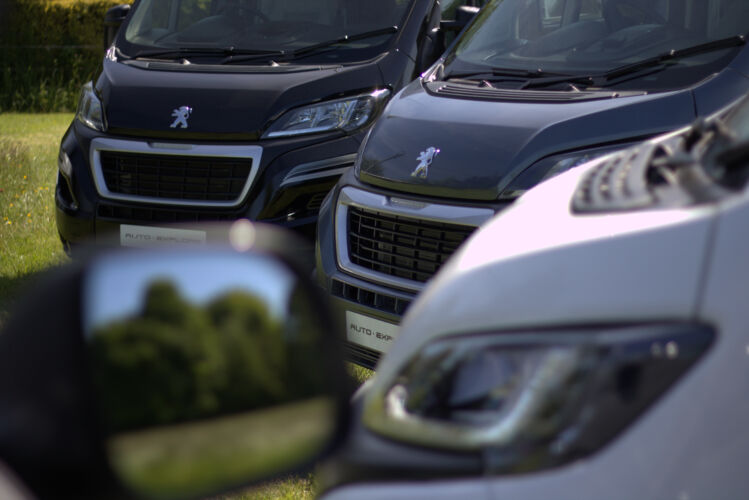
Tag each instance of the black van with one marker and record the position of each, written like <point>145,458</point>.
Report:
<point>531,88</point>
<point>227,109</point>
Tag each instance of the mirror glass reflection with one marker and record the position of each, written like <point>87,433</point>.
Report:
<point>206,369</point>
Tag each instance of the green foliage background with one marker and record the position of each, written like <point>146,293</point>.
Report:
<point>48,49</point>
<point>176,361</point>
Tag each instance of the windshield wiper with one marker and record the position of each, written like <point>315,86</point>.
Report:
<point>303,51</point>
<point>607,77</point>
<point>490,74</point>
<point>184,52</point>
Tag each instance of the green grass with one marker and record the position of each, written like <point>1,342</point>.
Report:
<point>359,373</point>
<point>172,461</point>
<point>285,489</point>
<point>28,170</point>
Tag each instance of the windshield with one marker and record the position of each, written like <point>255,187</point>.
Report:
<point>582,37</point>
<point>259,26</point>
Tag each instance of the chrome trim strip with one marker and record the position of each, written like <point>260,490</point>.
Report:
<point>330,167</point>
<point>219,151</point>
<point>351,196</point>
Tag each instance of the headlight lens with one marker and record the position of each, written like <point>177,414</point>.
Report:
<point>345,114</point>
<point>553,165</point>
<point>90,111</point>
<point>532,400</point>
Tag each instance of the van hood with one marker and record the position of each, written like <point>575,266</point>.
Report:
<point>482,145</point>
<point>227,102</point>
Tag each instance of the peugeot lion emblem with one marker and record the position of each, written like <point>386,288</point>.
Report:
<point>425,159</point>
<point>181,115</point>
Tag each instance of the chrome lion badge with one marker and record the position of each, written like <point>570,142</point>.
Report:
<point>425,159</point>
<point>180,116</point>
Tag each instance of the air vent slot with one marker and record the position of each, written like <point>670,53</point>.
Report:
<point>635,178</point>
<point>619,183</point>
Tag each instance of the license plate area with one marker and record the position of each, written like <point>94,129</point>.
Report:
<point>149,236</point>
<point>370,332</point>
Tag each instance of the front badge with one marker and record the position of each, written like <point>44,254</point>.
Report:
<point>425,159</point>
<point>180,116</point>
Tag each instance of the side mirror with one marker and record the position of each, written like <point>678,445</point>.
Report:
<point>463,16</point>
<point>170,373</point>
<point>112,21</point>
<point>431,47</point>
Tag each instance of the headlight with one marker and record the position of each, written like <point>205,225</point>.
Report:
<point>532,400</point>
<point>343,114</point>
<point>553,165</point>
<point>90,111</point>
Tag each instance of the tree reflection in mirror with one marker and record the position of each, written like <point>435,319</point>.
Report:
<point>206,369</point>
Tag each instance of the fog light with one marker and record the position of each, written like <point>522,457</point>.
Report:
<point>64,164</point>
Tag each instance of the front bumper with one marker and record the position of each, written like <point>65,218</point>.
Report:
<point>359,291</point>
<point>287,187</point>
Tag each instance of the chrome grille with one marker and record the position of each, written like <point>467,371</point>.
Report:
<point>403,247</point>
<point>175,177</point>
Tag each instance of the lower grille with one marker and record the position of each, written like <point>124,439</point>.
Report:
<point>160,215</point>
<point>174,177</point>
<point>403,247</point>
<point>379,301</point>
<point>361,355</point>
<point>315,201</point>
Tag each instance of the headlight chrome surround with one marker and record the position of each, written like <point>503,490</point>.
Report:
<point>532,400</point>
<point>346,114</point>
<point>90,111</point>
<point>553,165</point>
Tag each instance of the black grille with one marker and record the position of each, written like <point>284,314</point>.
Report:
<point>403,247</point>
<point>379,301</point>
<point>361,355</point>
<point>195,178</point>
<point>163,215</point>
<point>315,201</point>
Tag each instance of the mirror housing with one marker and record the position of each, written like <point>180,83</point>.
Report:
<point>431,48</point>
<point>132,370</point>
<point>463,16</point>
<point>113,19</point>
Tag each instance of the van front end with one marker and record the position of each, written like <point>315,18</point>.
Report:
<point>530,90</point>
<point>115,181</point>
<point>220,110</point>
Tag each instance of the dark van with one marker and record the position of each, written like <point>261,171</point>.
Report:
<point>225,109</point>
<point>531,88</point>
